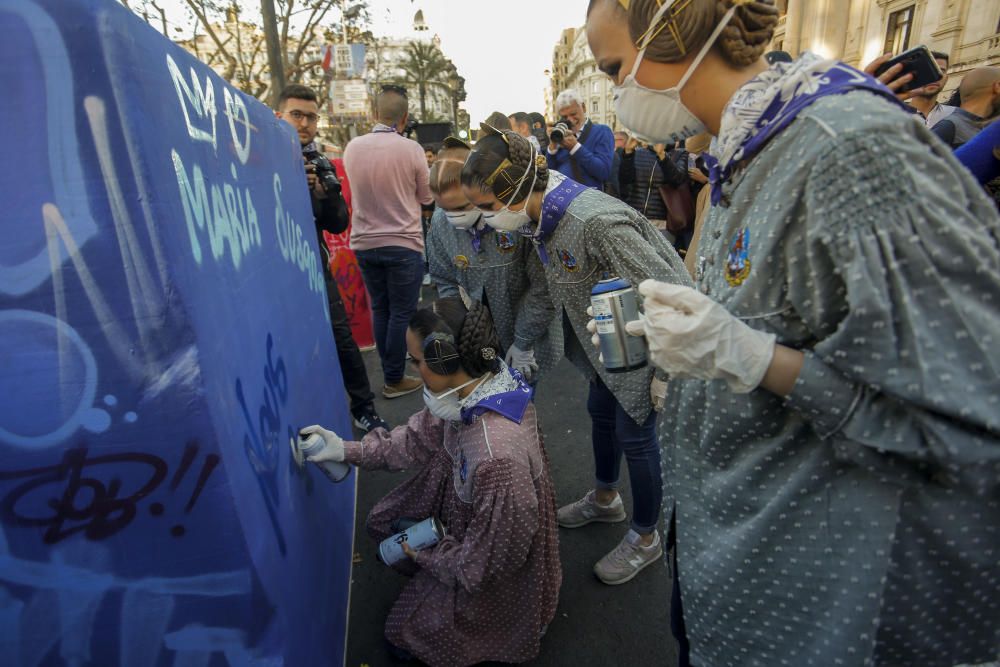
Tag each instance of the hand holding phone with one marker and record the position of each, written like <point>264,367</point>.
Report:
<point>918,64</point>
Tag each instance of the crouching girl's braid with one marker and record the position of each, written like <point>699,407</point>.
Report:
<point>478,343</point>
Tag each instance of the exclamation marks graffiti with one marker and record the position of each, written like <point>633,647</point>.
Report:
<point>188,458</point>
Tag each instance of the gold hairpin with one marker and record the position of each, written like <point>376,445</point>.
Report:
<point>496,172</point>
<point>669,21</point>
<point>624,4</point>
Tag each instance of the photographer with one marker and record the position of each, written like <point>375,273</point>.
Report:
<point>298,106</point>
<point>579,148</point>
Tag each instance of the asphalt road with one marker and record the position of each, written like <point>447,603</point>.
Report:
<point>595,624</point>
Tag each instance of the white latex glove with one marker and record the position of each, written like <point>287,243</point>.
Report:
<point>690,335</point>
<point>657,393</point>
<point>523,361</point>
<point>595,339</point>
<point>333,444</point>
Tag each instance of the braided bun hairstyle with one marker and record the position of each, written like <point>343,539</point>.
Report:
<point>742,42</point>
<point>470,331</point>
<point>478,343</point>
<point>485,167</point>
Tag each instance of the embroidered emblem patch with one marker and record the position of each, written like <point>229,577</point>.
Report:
<point>738,261</point>
<point>568,260</point>
<point>506,242</point>
<point>461,261</point>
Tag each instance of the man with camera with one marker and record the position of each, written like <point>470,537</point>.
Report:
<point>298,106</point>
<point>579,148</point>
<point>389,184</point>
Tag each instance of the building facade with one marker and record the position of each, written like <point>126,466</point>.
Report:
<point>574,67</point>
<point>858,31</point>
<point>855,31</point>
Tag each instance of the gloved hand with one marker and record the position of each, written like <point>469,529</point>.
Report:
<point>333,444</point>
<point>690,335</point>
<point>657,393</point>
<point>595,339</point>
<point>523,361</point>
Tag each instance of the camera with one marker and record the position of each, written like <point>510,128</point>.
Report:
<point>410,128</point>
<point>560,130</point>
<point>325,172</point>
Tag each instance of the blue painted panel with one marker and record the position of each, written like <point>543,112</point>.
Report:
<point>163,335</point>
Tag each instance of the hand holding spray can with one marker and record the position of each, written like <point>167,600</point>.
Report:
<point>419,536</point>
<point>615,303</point>
<point>309,445</point>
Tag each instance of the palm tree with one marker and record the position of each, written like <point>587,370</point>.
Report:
<point>426,68</point>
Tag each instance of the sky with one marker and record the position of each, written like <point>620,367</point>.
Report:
<point>501,48</point>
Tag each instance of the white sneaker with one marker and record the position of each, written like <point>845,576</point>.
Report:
<point>628,559</point>
<point>588,510</point>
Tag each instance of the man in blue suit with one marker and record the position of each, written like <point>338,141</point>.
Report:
<point>586,151</point>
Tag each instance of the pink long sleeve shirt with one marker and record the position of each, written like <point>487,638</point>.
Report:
<point>388,177</point>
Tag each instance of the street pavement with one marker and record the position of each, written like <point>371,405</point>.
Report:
<point>595,624</point>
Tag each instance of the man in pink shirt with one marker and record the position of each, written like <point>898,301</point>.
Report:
<point>388,176</point>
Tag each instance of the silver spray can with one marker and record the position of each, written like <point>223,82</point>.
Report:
<point>312,444</point>
<point>615,303</point>
<point>419,536</point>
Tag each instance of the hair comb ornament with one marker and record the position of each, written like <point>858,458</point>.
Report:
<point>489,354</point>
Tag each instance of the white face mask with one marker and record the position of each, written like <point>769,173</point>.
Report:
<point>446,405</point>
<point>506,220</point>
<point>463,219</point>
<point>659,116</point>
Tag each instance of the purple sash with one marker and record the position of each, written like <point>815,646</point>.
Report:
<point>839,79</point>
<point>554,207</point>
<point>510,404</point>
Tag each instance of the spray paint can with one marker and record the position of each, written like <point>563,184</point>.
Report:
<point>419,536</point>
<point>306,447</point>
<point>615,303</point>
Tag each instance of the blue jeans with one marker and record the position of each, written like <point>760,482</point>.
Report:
<point>392,275</point>
<point>615,433</point>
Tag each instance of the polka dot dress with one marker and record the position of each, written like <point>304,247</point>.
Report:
<point>858,521</point>
<point>487,590</point>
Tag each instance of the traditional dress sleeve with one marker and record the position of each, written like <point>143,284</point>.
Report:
<point>897,274</point>
<point>499,537</point>
<point>411,444</point>
<point>440,263</point>
<point>535,310</point>
<point>633,249</point>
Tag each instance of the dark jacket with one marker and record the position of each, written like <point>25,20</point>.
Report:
<point>639,181</point>
<point>592,159</point>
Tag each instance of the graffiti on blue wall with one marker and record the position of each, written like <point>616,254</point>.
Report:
<point>163,333</point>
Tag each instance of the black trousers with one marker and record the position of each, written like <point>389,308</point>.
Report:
<point>352,365</point>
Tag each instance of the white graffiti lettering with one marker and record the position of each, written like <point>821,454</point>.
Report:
<point>231,220</point>
<point>201,101</point>
<point>298,250</point>
<point>236,111</point>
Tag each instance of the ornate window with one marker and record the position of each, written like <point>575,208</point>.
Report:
<point>897,33</point>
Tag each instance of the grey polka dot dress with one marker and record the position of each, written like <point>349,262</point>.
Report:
<point>502,273</point>
<point>858,521</point>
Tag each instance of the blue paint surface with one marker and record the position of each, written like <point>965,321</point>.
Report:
<point>163,334</point>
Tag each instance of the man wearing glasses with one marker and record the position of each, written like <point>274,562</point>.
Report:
<point>298,106</point>
<point>388,176</point>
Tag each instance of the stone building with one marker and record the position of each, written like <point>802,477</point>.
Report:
<point>573,66</point>
<point>858,31</point>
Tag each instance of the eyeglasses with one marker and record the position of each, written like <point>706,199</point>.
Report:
<point>393,88</point>
<point>298,116</point>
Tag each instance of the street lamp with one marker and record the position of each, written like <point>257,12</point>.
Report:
<point>453,83</point>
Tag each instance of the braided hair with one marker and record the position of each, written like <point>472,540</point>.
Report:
<point>499,161</point>
<point>687,25</point>
<point>448,329</point>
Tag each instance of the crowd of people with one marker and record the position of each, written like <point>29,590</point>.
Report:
<point>815,443</point>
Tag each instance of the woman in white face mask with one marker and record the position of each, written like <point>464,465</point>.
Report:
<point>582,235</point>
<point>487,590</point>
<point>833,404</point>
<point>492,267</point>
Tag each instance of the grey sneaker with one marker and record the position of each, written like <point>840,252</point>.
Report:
<point>588,510</point>
<point>627,559</point>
